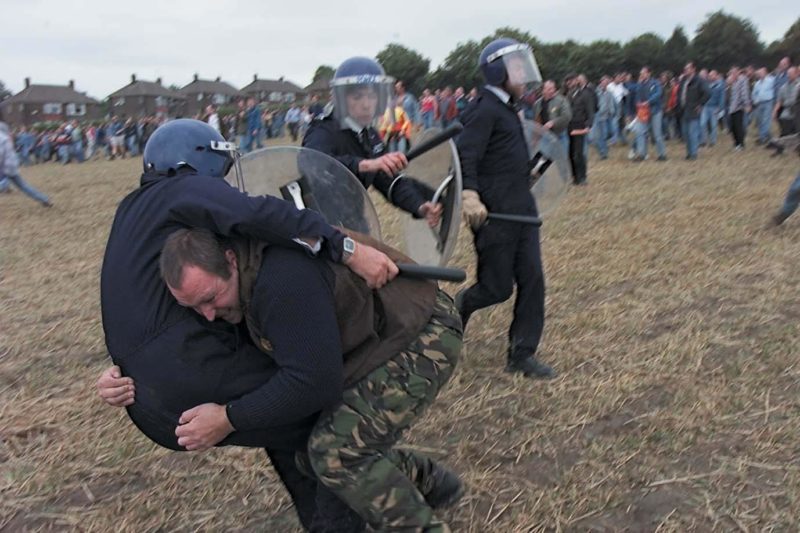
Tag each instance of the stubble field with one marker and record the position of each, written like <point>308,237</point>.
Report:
<point>672,318</point>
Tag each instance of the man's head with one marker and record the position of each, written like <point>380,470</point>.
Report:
<point>792,73</point>
<point>713,75</point>
<point>689,70</point>
<point>644,74</point>
<point>703,74</point>
<point>761,73</point>
<point>549,90</point>
<point>210,109</point>
<point>201,273</point>
<point>399,88</point>
<point>784,64</point>
<point>251,102</point>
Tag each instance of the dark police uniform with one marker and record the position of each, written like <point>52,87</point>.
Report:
<point>495,163</point>
<point>176,358</point>
<point>350,148</point>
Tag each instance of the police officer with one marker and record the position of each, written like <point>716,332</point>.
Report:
<point>361,91</point>
<point>176,360</point>
<point>496,171</point>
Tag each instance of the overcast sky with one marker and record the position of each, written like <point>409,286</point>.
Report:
<point>99,43</point>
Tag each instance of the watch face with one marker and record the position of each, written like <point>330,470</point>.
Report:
<point>349,245</point>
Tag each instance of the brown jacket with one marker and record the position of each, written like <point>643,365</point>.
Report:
<point>374,325</point>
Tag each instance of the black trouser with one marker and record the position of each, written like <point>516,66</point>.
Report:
<point>509,253</point>
<point>576,157</point>
<point>787,126</point>
<point>319,510</point>
<point>737,127</point>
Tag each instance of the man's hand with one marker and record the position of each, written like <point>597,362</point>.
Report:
<point>391,164</point>
<point>548,125</point>
<point>474,211</point>
<point>584,131</point>
<point>432,212</point>
<point>203,426</point>
<point>114,389</point>
<point>374,266</point>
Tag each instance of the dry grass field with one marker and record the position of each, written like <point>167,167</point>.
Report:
<point>672,317</point>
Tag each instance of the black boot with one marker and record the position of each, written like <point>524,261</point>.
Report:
<point>447,488</point>
<point>527,365</point>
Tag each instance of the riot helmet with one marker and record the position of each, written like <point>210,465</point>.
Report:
<point>361,91</point>
<point>188,143</point>
<point>506,60</point>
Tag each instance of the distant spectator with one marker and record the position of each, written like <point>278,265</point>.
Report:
<point>293,118</point>
<point>582,104</point>
<point>693,96</point>
<point>552,110</point>
<point>709,119</point>
<point>408,101</point>
<point>786,104</point>
<point>739,105</point>
<point>650,114</point>
<point>605,116</point>
<point>9,169</point>
<point>428,108</point>
<point>213,118</point>
<point>315,108</point>
<point>763,103</point>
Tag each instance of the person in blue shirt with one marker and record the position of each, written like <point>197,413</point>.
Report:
<point>709,118</point>
<point>650,93</point>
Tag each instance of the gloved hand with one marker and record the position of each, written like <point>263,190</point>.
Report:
<point>474,211</point>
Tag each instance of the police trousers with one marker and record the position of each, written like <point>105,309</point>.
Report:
<point>508,254</point>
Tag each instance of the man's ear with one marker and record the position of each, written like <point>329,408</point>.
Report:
<point>233,262</point>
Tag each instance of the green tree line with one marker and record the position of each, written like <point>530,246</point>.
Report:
<point>720,41</point>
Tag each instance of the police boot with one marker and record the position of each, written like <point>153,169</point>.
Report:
<point>459,302</point>
<point>527,365</point>
<point>446,487</point>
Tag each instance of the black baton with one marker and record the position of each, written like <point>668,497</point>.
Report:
<point>522,219</point>
<point>436,140</point>
<point>410,270</point>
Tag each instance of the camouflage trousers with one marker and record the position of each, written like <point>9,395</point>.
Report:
<point>351,449</point>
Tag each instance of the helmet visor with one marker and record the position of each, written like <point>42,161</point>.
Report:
<point>360,101</point>
<point>520,64</point>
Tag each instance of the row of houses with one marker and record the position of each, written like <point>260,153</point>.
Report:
<point>57,103</point>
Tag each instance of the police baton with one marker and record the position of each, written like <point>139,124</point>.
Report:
<point>433,142</point>
<point>410,270</point>
<point>520,219</point>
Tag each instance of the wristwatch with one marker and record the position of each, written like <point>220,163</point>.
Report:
<point>349,248</point>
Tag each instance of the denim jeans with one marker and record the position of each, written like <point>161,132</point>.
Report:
<point>600,136</point>
<point>64,153</point>
<point>708,125</point>
<point>77,151</point>
<point>23,186</point>
<point>763,112</point>
<point>655,128</point>
<point>691,132</point>
<point>792,199</point>
<point>427,119</point>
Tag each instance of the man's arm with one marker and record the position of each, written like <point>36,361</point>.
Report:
<point>294,308</point>
<point>114,389</point>
<point>212,204</point>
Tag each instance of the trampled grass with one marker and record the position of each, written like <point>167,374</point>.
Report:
<point>672,319</point>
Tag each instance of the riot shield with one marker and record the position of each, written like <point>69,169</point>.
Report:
<point>311,180</point>
<point>550,168</point>
<point>437,173</point>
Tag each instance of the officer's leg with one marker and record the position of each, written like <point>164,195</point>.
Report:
<point>528,324</point>
<point>302,489</point>
<point>350,448</point>
<point>495,247</point>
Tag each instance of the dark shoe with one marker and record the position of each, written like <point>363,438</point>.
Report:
<point>776,220</point>
<point>447,488</point>
<point>47,203</point>
<point>662,158</point>
<point>691,157</point>
<point>459,303</point>
<point>530,367</point>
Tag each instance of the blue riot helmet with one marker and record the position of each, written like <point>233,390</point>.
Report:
<point>361,91</point>
<point>508,60</point>
<point>188,143</point>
